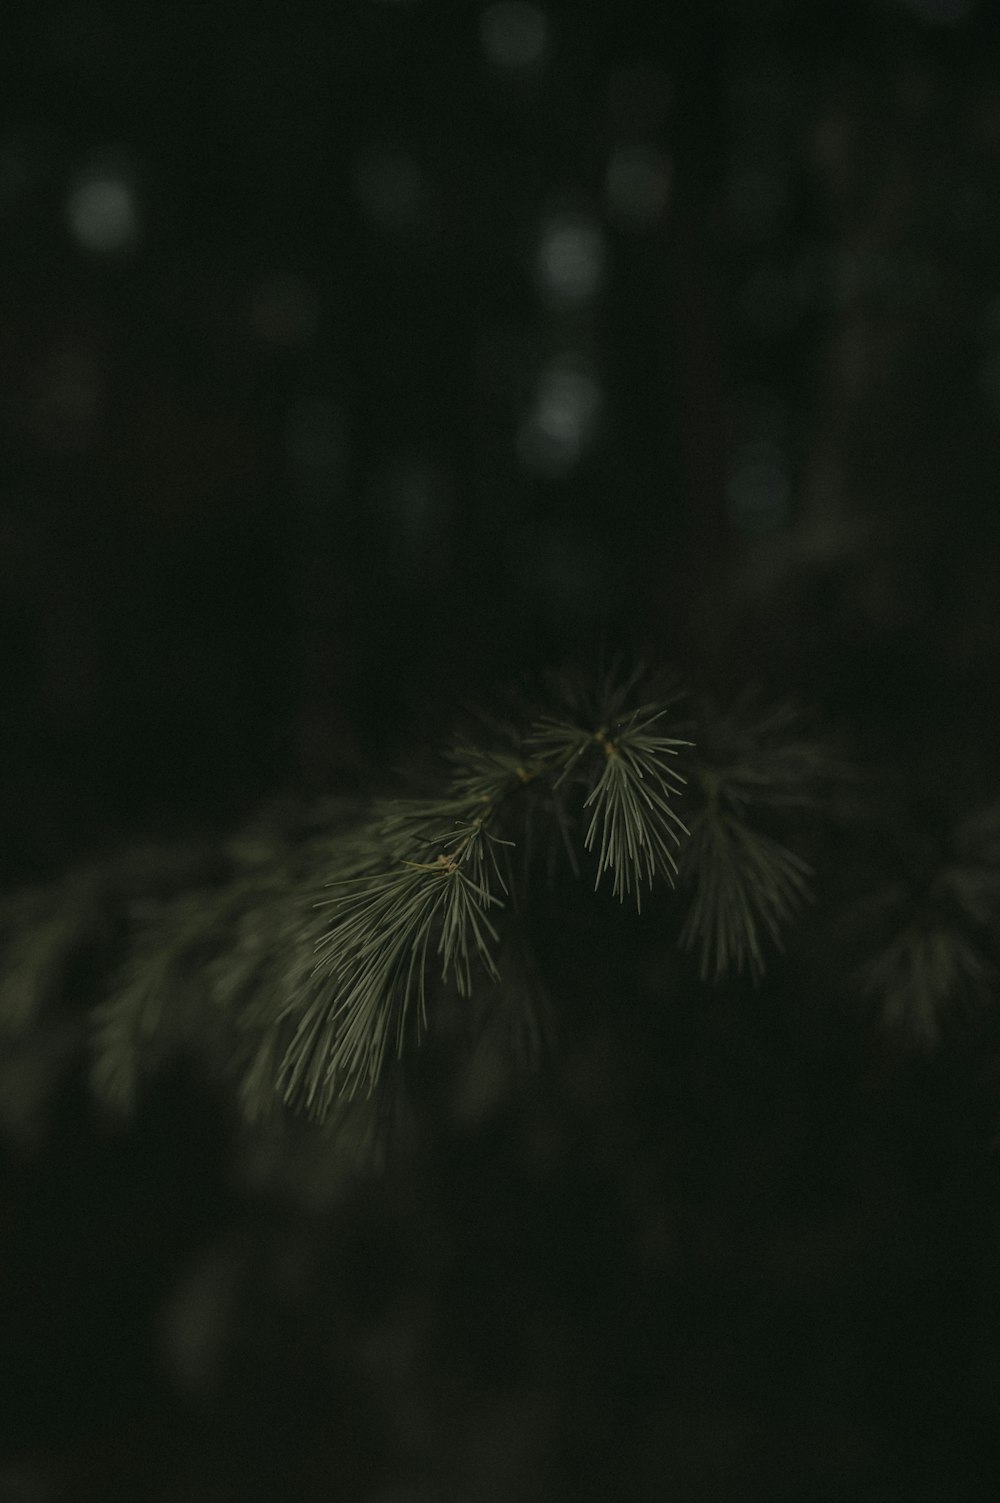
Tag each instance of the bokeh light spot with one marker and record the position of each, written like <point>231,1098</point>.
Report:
<point>569,268</point>
<point>514,36</point>
<point>102,211</point>
<point>563,418</point>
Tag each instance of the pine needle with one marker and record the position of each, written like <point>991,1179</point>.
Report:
<point>746,888</point>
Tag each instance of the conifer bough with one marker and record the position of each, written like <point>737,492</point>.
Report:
<point>441,880</point>
<point>305,963</point>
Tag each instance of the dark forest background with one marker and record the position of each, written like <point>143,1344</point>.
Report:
<point>355,358</point>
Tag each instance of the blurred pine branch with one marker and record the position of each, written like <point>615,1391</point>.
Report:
<point>308,959</point>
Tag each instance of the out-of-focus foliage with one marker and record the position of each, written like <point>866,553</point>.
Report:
<point>931,927</point>
<point>314,1000</point>
<point>356,357</point>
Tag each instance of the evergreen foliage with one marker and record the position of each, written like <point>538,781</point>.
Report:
<point>746,886</point>
<point>308,960</point>
<point>358,356</point>
<point>929,930</point>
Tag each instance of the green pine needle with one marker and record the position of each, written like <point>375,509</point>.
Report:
<point>630,783</point>
<point>746,888</point>
<point>386,924</point>
<point>227,954</point>
<point>637,826</point>
<point>922,976</point>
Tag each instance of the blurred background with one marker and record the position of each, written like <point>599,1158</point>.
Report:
<point>355,357</point>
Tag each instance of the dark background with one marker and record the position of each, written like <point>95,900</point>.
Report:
<point>349,365</point>
<point>353,358</point>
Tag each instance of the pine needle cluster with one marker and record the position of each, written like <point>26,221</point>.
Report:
<point>309,958</point>
<point>440,883</point>
<point>932,934</point>
<point>751,766</point>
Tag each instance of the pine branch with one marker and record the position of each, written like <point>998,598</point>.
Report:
<point>925,973</point>
<point>313,1001</point>
<point>435,884</point>
<point>632,813</point>
<point>752,765</point>
<point>746,888</point>
<point>937,930</point>
<point>210,970</point>
<point>630,783</point>
<point>43,931</point>
<point>433,897</point>
<point>766,759</point>
<point>970,881</point>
